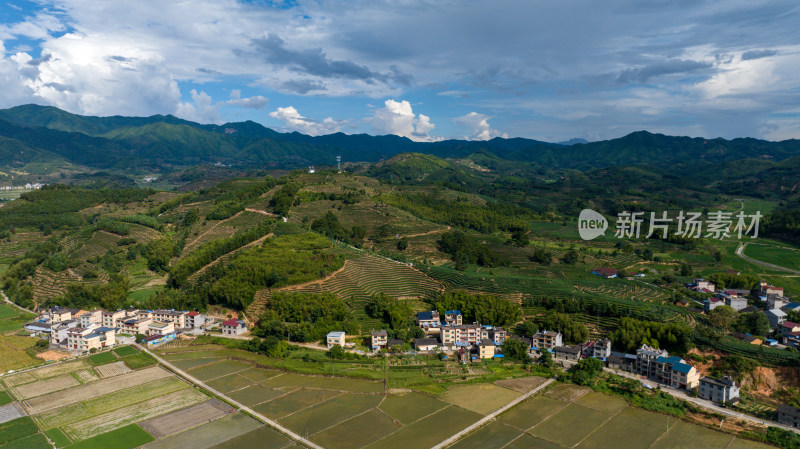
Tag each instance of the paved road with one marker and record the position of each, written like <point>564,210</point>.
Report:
<point>491,416</point>
<point>740,253</point>
<point>259,416</point>
<point>708,405</point>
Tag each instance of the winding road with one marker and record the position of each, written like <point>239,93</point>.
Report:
<point>740,253</point>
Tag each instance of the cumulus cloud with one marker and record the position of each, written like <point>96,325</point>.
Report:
<point>478,124</point>
<point>397,117</point>
<point>202,108</point>
<point>293,121</point>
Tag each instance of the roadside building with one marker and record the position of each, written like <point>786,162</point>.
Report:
<point>379,339</point>
<point>92,317</point>
<point>336,338</point>
<point>83,339</point>
<point>547,340</point>
<point>646,360</point>
<point>568,353</point>
<point>428,319</point>
<point>425,344</point>
<point>704,285</point>
<point>110,319</point>
<point>776,317</point>
<point>194,320</point>
<point>160,328</point>
<point>233,327</point>
<point>765,289</point>
<point>788,327</point>
<point>721,391</point>
<point>155,340</point>
<point>602,349</point>
<point>171,316</point>
<point>134,326</point>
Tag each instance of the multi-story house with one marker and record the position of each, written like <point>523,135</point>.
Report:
<point>602,349</point>
<point>722,391</point>
<point>547,340</point>
<point>486,349</point>
<point>646,360</point>
<point>495,334</point>
<point>776,317</point>
<point>134,325</point>
<point>704,285</point>
<point>93,317</point>
<point>453,317</point>
<point>568,352</point>
<point>110,319</point>
<point>84,339</point>
<point>658,365</point>
<point>59,314</point>
<point>428,319</point>
<point>766,289</point>
<point>379,339</point>
<point>160,328</point>
<point>465,334</point>
<point>171,316</point>
<point>195,320</point>
<point>233,327</point>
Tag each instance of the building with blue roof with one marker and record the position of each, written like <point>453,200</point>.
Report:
<point>673,371</point>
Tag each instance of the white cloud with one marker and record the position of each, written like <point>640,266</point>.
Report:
<point>296,122</point>
<point>256,102</point>
<point>397,117</point>
<point>478,124</point>
<point>202,109</point>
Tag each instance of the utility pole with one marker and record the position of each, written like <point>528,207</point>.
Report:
<point>339,163</point>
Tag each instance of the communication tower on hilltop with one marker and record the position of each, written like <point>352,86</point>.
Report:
<point>339,163</point>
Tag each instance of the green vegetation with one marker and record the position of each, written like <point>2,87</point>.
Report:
<point>102,358</point>
<point>306,317</point>
<point>139,360</point>
<point>124,351</point>
<point>58,437</point>
<point>127,437</point>
<point>483,309</point>
<point>17,429</point>
<point>5,398</point>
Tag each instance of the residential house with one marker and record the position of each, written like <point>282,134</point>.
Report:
<point>425,344</point>
<point>767,289</point>
<point>614,362</point>
<point>233,327</point>
<point>194,320</point>
<point>704,285</point>
<point>776,302</point>
<point>58,332</point>
<point>335,338</point>
<point>428,319</point>
<point>722,391</point>
<point>59,314</point>
<point>111,319</point>
<point>486,349</point>
<point>93,317</point>
<point>792,339</point>
<point>453,317</point>
<point>658,365</point>
<point>379,339</point>
<point>84,339</point>
<point>789,415</point>
<point>171,316</point>
<point>160,328</point>
<point>606,272</point>
<point>38,328</point>
<point>732,299</point>
<point>465,334</point>
<point>496,334</point>
<point>602,349</point>
<point>134,326</point>
<point>776,317</point>
<point>547,340</point>
<point>712,303</point>
<point>568,353</point>
<point>395,343</point>
<point>788,327</point>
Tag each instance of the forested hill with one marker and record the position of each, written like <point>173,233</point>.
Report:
<point>40,134</point>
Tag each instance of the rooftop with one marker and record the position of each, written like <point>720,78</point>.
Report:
<point>336,334</point>
<point>234,323</point>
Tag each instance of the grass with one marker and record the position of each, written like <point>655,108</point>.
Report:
<point>139,360</point>
<point>58,437</point>
<point>774,255</point>
<point>16,353</point>
<point>102,358</point>
<point>636,427</point>
<point>5,398</point>
<point>216,432</point>
<point>429,431</point>
<point>330,413</point>
<point>480,398</point>
<point>293,402</point>
<point>531,411</point>
<point>218,369</point>
<point>127,437</point>
<point>16,429</point>
<point>229,383</point>
<point>125,351</point>
<point>255,395</point>
<point>683,434</point>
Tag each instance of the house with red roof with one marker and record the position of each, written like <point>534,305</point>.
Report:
<point>233,327</point>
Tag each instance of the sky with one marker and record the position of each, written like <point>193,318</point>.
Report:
<point>424,69</point>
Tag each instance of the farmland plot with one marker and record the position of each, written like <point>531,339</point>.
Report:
<point>112,369</point>
<point>209,435</point>
<point>42,387</point>
<point>187,418</point>
<point>102,387</point>
<point>134,413</point>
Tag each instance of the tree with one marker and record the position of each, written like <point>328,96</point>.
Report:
<point>520,237</point>
<point>570,257</point>
<point>542,256</point>
<point>755,323</point>
<point>337,352</point>
<point>686,270</point>
<point>402,244</point>
<point>722,317</point>
<point>516,350</point>
<point>546,359</point>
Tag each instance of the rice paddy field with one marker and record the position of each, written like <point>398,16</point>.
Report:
<point>568,416</point>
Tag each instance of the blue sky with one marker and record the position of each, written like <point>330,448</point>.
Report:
<point>424,69</point>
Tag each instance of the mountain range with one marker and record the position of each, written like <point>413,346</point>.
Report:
<point>46,138</point>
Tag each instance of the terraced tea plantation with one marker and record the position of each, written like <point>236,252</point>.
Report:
<point>361,278</point>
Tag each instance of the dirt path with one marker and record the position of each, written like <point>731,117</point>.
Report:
<point>260,417</point>
<point>740,253</point>
<point>262,212</point>
<point>210,229</point>
<point>435,231</point>
<point>215,261</point>
<point>8,301</point>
